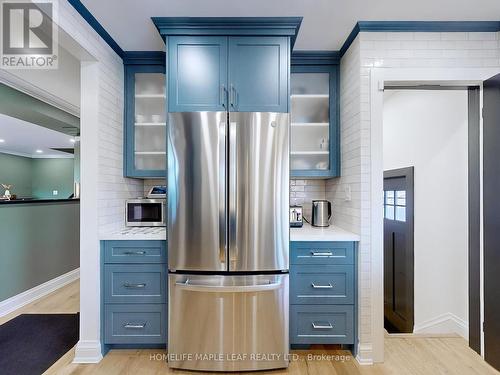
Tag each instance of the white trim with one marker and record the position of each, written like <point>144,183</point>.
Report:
<point>444,324</point>
<point>378,78</point>
<point>30,89</point>
<point>87,351</point>
<point>16,302</point>
<point>365,354</point>
<point>37,156</point>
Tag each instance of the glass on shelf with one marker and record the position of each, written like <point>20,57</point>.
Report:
<point>150,120</point>
<point>149,84</point>
<point>310,84</point>
<point>309,161</point>
<point>151,162</point>
<point>310,117</point>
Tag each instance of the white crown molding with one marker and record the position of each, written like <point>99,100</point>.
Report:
<point>88,351</point>
<point>16,302</point>
<point>28,88</point>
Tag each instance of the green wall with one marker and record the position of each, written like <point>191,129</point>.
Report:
<point>52,174</point>
<point>17,171</point>
<point>38,242</point>
<point>37,178</point>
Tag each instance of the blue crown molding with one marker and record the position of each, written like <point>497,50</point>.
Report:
<point>315,57</point>
<point>275,26</point>
<point>87,16</point>
<point>143,58</point>
<point>419,26</point>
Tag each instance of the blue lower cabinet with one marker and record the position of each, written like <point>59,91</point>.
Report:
<point>135,252</point>
<point>135,324</point>
<point>323,293</point>
<point>135,283</point>
<point>322,285</point>
<point>313,324</point>
<point>134,294</point>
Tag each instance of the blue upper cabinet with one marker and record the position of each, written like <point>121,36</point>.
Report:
<point>258,74</point>
<point>197,71</point>
<point>145,115</point>
<point>315,141</point>
<point>214,73</point>
<point>228,63</point>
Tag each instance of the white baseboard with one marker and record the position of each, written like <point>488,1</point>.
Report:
<point>13,303</point>
<point>87,351</point>
<point>365,354</point>
<point>443,324</point>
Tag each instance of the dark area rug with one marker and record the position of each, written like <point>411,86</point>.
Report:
<point>31,343</point>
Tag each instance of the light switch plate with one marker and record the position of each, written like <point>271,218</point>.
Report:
<point>347,191</point>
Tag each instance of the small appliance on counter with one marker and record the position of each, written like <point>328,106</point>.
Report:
<point>321,213</point>
<point>296,219</point>
<point>158,191</point>
<point>145,212</point>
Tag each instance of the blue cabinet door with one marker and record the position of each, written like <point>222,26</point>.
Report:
<point>258,74</point>
<point>315,132</point>
<point>197,73</point>
<point>144,148</point>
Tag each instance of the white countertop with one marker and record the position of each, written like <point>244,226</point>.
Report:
<point>331,233</point>
<point>135,233</point>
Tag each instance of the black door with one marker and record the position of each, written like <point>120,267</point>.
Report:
<point>491,204</point>
<point>398,250</point>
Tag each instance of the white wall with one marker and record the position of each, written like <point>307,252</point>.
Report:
<point>428,130</point>
<point>431,51</point>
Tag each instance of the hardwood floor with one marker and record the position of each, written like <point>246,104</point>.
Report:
<point>403,355</point>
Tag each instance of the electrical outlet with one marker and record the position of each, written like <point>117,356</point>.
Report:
<point>348,195</point>
<point>55,192</point>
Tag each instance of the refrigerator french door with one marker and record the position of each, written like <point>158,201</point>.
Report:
<point>228,235</point>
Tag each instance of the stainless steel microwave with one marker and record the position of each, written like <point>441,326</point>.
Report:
<point>145,212</point>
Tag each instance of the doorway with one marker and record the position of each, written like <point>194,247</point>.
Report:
<point>426,243</point>
<point>398,250</point>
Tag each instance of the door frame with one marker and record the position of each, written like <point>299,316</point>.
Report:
<point>379,78</point>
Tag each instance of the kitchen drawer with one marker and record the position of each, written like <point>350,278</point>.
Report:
<point>135,283</point>
<point>135,324</point>
<point>135,252</point>
<point>322,284</point>
<point>321,324</point>
<point>322,253</point>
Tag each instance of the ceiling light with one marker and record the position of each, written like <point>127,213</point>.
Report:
<point>72,140</point>
<point>2,140</point>
<point>39,151</point>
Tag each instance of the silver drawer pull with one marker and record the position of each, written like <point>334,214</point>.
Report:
<point>329,286</point>
<point>134,326</point>
<point>134,286</point>
<point>142,252</point>
<point>321,253</point>
<point>322,326</point>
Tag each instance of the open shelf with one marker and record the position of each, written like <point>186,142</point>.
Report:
<point>309,153</point>
<point>150,152</point>
<point>310,96</point>
<point>150,124</point>
<point>306,124</point>
<point>150,96</point>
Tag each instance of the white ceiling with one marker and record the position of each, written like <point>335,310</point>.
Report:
<point>24,138</point>
<point>326,24</point>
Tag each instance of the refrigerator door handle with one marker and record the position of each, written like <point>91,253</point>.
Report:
<point>233,253</point>
<point>228,288</point>
<point>222,192</point>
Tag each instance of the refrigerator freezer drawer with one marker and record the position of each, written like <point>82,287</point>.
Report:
<point>228,323</point>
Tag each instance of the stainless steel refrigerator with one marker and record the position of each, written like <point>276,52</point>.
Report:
<point>228,240</point>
